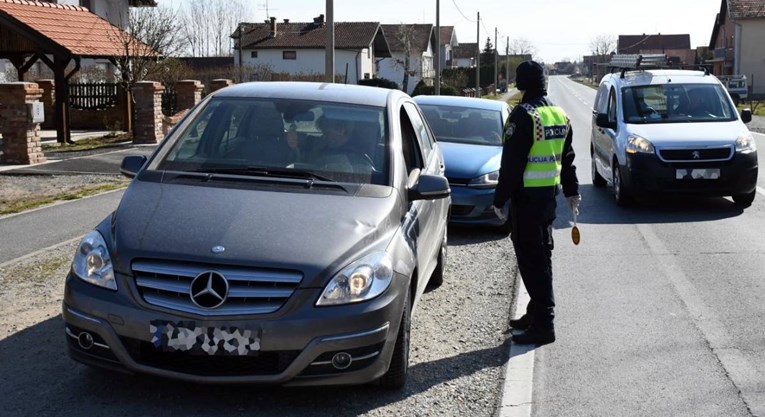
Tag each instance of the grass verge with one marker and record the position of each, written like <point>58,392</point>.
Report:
<point>88,144</point>
<point>33,202</point>
<point>515,99</point>
<point>757,107</point>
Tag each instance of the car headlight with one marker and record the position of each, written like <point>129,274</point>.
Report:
<point>637,144</point>
<point>745,143</point>
<point>362,280</point>
<point>92,262</point>
<point>485,181</point>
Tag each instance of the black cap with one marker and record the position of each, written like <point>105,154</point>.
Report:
<point>530,76</point>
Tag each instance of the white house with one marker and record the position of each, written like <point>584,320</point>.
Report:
<point>298,49</point>
<point>447,43</point>
<point>463,55</point>
<point>421,40</point>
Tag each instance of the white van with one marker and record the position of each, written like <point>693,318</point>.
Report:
<point>673,132</point>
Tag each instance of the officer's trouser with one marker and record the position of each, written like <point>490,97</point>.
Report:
<point>532,218</point>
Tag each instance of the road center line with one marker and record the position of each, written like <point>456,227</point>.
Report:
<point>732,360</point>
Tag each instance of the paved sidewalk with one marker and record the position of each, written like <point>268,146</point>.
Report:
<point>97,161</point>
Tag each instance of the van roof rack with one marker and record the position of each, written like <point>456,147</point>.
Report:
<point>634,62</point>
<point>626,62</point>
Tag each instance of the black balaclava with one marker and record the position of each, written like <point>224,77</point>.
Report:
<point>530,78</point>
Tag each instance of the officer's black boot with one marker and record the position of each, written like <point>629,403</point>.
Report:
<point>535,336</point>
<point>522,323</point>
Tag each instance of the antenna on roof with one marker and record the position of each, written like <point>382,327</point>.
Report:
<point>264,6</point>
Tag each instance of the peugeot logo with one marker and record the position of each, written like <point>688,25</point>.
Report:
<point>696,155</point>
<point>209,289</point>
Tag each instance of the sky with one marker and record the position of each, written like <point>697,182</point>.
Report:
<point>558,29</point>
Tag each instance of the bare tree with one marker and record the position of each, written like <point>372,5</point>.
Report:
<point>522,46</point>
<point>150,33</point>
<point>603,45</point>
<point>405,35</point>
<point>208,24</point>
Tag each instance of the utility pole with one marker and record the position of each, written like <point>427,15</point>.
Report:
<point>478,55</point>
<point>507,66</point>
<point>329,61</point>
<point>437,59</point>
<point>496,62</point>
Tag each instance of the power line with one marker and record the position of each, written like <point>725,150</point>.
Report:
<point>463,14</point>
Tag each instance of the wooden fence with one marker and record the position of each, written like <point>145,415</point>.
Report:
<point>93,96</point>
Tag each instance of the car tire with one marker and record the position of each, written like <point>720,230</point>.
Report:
<point>597,179</point>
<point>621,193</point>
<point>395,377</point>
<point>437,278</point>
<point>744,200</point>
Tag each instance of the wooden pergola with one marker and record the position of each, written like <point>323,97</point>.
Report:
<point>57,35</point>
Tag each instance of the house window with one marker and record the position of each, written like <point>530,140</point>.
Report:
<point>289,55</point>
<point>253,54</point>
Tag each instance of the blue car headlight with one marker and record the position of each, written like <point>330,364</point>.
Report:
<point>362,280</point>
<point>92,262</point>
<point>485,181</point>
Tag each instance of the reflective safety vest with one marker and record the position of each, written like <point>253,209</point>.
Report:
<point>551,126</point>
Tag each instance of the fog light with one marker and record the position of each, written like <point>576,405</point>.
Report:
<point>342,360</point>
<point>85,340</point>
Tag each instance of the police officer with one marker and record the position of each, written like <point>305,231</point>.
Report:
<point>537,159</point>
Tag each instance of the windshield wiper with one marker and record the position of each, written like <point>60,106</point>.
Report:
<point>266,172</point>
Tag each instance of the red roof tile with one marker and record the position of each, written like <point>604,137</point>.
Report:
<point>74,28</point>
<point>746,9</point>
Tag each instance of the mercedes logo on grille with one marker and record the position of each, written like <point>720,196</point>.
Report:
<point>209,289</point>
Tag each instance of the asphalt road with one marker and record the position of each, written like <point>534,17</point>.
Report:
<point>31,231</point>
<point>660,308</point>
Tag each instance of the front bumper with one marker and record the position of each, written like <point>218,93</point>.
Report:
<point>472,206</point>
<point>647,174</point>
<point>296,343</point>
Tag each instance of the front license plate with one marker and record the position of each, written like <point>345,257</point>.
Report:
<point>698,174</point>
<point>188,336</point>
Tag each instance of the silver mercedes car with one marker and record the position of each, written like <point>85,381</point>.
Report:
<point>282,233</point>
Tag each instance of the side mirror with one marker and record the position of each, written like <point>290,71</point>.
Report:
<point>131,165</point>
<point>601,120</point>
<point>430,187</point>
<point>746,115</point>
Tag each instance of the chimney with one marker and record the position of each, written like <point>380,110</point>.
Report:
<point>286,21</point>
<point>273,27</point>
<point>319,21</point>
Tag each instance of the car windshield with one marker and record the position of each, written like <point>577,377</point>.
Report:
<point>464,124</point>
<point>324,141</point>
<point>677,103</point>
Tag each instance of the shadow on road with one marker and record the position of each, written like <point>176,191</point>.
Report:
<point>40,380</point>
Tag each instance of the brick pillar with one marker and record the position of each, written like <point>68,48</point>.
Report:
<point>21,138</point>
<point>49,100</point>
<point>189,93</point>
<point>148,112</point>
<point>216,85</point>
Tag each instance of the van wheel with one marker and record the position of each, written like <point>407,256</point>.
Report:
<point>744,200</point>
<point>395,378</point>
<point>621,193</point>
<point>437,278</point>
<point>597,179</point>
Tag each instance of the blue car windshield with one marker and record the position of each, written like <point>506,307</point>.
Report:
<point>253,136</point>
<point>677,103</point>
<point>464,124</point>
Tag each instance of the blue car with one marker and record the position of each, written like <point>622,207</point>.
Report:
<point>469,131</point>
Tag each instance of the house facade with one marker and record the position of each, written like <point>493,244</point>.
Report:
<point>298,49</point>
<point>421,40</point>
<point>463,55</point>
<point>737,42</point>
<point>447,42</point>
